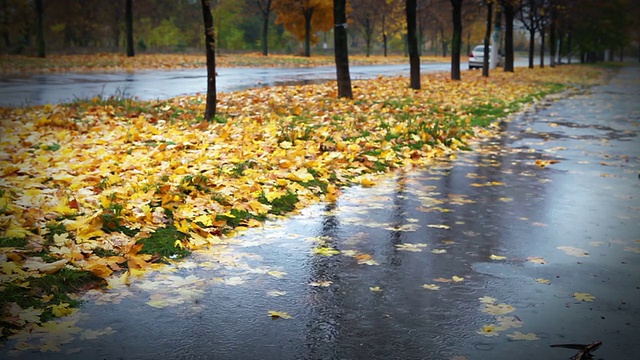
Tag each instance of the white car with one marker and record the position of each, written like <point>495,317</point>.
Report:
<point>476,58</point>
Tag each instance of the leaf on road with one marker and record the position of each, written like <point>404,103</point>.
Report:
<point>431,287</point>
<point>324,283</point>
<point>573,251</point>
<point>375,288</point>
<point>584,296</point>
<point>498,309</point>
<point>439,226</point>
<point>276,293</point>
<point>411,247</point>
<point>543,281</point>
<point>325,251</point>
<point>497,257</point>
<point>279,314</point>
<point>537,260</point>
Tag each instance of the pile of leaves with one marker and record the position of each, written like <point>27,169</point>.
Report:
<point>97,188</point>
<point>17,64</point>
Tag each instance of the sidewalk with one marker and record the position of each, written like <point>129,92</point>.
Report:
<point>530,240</point>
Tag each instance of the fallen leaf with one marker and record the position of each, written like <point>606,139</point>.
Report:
<point>375,288</point>
<point>584,296</point>
<point>569,250</point>
<point>275,293</point>
<point>497,257</point>
<point>279,314</point>
<point>325,251</point>
<point>537,260</point>
<point>543,281</point>
<point>431,287</point>
<point>321,283</point>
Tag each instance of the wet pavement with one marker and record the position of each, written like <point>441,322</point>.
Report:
<point>164,84</point>
<point>482,257</point>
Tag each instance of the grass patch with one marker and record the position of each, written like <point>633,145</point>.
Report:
<point>44,292</point>
<point>162,243</point>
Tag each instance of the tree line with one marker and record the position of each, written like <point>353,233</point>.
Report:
<point>585,29</point>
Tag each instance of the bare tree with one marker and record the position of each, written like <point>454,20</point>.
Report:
<point>412,38</point>
<point>210,43</point>
<point>456,41</point>
<point>265,9</point>
<point>487,38</point>
<point>128,18</point>
<point>341,48</point>
<point>40,28</point>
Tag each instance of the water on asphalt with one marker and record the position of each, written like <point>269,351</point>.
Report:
<point>506,239</point>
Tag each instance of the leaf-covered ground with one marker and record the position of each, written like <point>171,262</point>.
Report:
<point>16,65</point>
<point>105,188</point>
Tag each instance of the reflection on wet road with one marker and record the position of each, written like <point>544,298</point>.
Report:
<point>480,257</point>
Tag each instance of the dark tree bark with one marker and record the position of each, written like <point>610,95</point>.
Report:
<point>40,28</point>
<point>341,48</point>
<point>210,43</point>
<point>552,35</point>
<point>508,35</point>
<point>128,19</point>
<point>308,13</point>
<point>542,44</point>
<point>412,40</point>
<point>384,35</point>
<point>487,38</point>
<point>456,41</point>
<point>266,12</point>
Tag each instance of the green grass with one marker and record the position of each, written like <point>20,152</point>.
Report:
<point>163,243</point>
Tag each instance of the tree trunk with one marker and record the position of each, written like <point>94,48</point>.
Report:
<point>456,41</point>
<point>266,12</point>
<point>341,49</point>
<point>210,44</point>
<point>532,46</point>
<point>40,28</point>
<point>508,34</point>
<point>412,39</point>
<point>497,43</point>
<point>542,39</point>
<point>552,37</point>
<point>487,39</point>
<point>307,32</point>
<point>128,19</point>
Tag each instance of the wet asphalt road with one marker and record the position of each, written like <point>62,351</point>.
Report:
<point>154,84</point>
<point>573,223</point>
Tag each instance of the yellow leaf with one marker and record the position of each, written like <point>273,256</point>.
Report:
<point>48,268</point>
<point>375,288</point>
<point>206,220</point>
<point>276,293</point>
<point>277,274</point>
<point>488,330</point>
<point>279,314</point>
<point>16,231</point>
<point>325,251</point>
<point>497,257</point>
<point>321,283</point>
<point>543,281</point>
<point>498,309</point>
<point>158,304</point>
<point>431,287</point>
<point>537,260</point>
<point>573,251</point>
<point>584,297</point>
<point>366,181</point>
<point>61,310</point>
<point>457,278</point>
<point>437,226</point>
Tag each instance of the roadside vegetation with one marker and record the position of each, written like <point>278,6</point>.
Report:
<point>99,189</point>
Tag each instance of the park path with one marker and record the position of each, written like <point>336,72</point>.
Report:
<point>530,240</point>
